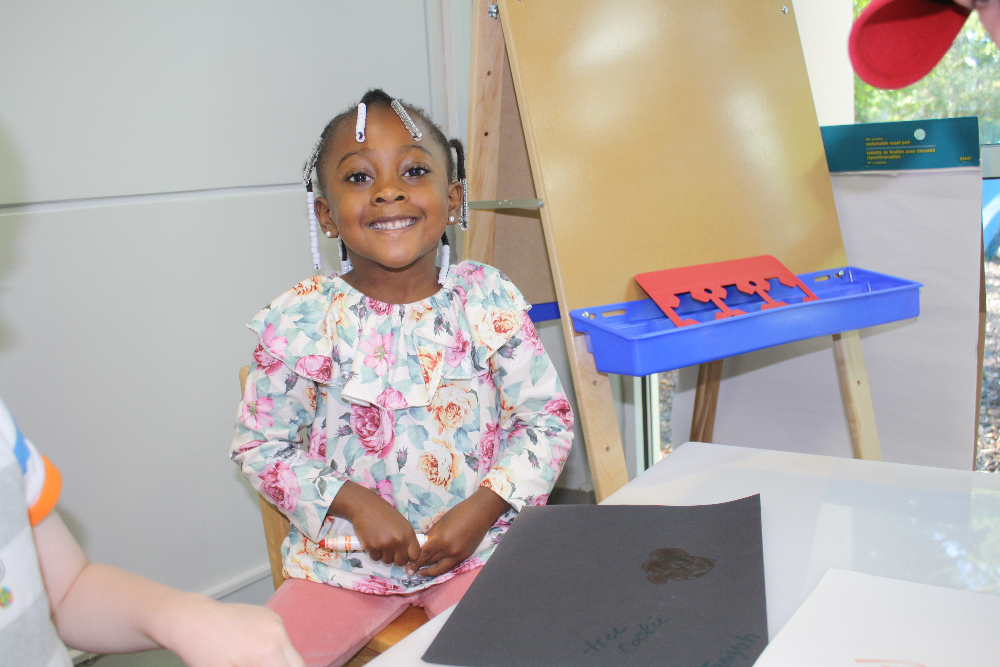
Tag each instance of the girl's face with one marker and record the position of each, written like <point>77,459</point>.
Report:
<point>387,198</point>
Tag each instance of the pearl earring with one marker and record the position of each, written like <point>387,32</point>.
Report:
<point>329,235</point>
<point>451,218</point>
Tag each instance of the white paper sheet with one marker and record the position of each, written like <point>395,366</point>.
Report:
<point>860,620</point>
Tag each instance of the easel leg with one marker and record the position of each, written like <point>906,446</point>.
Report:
<point>598,420</point>
<point>706,398</point>
<point>857,395</point>
<point>483,146</point>
<point>980,349</point>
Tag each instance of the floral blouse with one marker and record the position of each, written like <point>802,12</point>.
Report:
<point>422,403</point>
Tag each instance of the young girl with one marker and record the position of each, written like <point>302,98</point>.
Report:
<point>396,400</point>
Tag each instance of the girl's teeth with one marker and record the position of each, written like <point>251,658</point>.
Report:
<point>393,224</point>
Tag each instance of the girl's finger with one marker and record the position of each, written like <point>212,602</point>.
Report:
<point>427,555</point>
<point>439,567</point>
<point>413,550</point>
<point>402,557</point>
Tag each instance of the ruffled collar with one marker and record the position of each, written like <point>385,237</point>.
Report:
<point>390,355</point>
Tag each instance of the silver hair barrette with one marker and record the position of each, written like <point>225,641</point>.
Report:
<point>407,121</point>
<point>359,127</point>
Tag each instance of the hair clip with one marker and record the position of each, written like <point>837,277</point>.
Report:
<point>359,127</point>
<point>407,121</point>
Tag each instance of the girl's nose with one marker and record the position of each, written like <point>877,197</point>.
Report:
<point>388,191</point>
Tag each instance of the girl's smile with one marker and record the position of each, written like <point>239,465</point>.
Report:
<point>393,223</point>
<point>389,200</point>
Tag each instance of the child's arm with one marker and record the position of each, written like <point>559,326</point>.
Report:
<point>267,444</point>
<point>293,475</point>
<point>536,422</point>
<point>102,609</point>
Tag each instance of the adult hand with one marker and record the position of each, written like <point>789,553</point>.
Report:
<point>456,535</point>
<point>385,534</point>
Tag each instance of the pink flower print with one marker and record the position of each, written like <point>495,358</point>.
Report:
<point>377,586</point>
<point>489,446</point>
<point>471,273</point>
<point>390,399</point>
<point>253,444</point>
<point>257,411</point>
<point>530,336</point>
<point>315,367</point>
<point>276,345</point>
<point>539,500</point>
<point>517,428</point>
<point>317,444</point>
<point>458,350</point>
<point>280,484</point>
<point>462,296</point>
<point>383,488</point>
<point>375,429</point>
<point>560,452</point>
<point>559,408</point>
<point>377,352</point>
<point>265,361</point>
<point>468,565</point>
<point>487,378</point>
<point>378,307</point>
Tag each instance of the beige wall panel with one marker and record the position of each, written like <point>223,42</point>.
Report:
<point>122,98</point>
<point>668,134</point>
<point>122,331</point>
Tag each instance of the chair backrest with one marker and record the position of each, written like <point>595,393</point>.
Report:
<point>276,526</point>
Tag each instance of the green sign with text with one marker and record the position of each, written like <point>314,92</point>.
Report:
<point>908,144</point>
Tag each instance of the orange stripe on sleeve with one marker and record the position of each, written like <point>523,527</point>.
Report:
<point>50,494</point>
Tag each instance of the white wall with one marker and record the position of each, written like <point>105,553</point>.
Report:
<point>824,26</point>
<point>150,155</point>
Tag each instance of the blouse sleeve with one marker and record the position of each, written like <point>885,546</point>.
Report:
<point>287,469</point>
<point>536,421</point>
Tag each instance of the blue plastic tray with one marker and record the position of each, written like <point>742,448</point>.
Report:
<point>636,338</point>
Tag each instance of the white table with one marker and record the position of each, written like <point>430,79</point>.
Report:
<point>915,523</point>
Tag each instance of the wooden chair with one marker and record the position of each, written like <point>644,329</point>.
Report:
<point>276,527</point>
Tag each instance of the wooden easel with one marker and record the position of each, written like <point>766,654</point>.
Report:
<point>653,143</point>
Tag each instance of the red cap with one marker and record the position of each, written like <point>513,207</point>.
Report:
<point>895,43</point>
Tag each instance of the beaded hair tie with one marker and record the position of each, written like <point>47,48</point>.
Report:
<point>307,171</point>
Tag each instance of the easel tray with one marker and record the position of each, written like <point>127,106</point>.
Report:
<point>637,338</point>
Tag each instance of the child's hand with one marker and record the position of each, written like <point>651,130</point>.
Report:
<point>457,534</point>
<point>206,633</point>
<point>385,533</point>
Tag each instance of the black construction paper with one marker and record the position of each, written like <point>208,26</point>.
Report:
<point>596,585</point>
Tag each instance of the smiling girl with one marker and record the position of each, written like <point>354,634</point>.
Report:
<point>397,399</point>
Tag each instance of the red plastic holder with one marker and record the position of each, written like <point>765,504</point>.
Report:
<point>707,282</point>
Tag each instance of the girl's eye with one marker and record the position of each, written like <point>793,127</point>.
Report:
<point>357,177</point>
<point>416,170</point>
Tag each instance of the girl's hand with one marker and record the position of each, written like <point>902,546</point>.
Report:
<point>457,534</point>
<point>385,533</point>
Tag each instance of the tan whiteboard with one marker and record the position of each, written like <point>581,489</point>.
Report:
<point>666,133</point>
